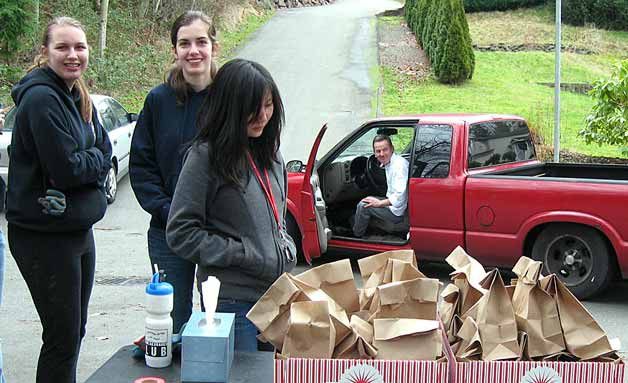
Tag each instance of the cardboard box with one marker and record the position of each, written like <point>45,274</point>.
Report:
<point>298,370</point>
<point>532,372</point>
<point>207,351</point>
<point>535,372</point>
<point>295,370</point>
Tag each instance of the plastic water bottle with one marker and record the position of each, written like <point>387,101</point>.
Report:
<point>158,324</point>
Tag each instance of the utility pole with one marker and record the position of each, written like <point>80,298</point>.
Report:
<point>557,50</point>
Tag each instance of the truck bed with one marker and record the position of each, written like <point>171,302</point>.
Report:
<point>564,171</point>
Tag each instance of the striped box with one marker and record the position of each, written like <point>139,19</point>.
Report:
<point>538,372</point>
<point>297,370</point>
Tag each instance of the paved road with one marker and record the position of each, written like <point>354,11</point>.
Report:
<point>329,79</point>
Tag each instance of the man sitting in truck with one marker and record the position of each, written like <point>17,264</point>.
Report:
<point>392,208</point>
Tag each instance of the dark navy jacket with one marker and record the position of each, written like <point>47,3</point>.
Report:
<point>163,133</point>
<point>52,147</point>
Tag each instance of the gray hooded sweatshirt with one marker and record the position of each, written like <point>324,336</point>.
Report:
<point>229,232</point>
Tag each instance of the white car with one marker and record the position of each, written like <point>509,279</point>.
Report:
<point>118,123</point>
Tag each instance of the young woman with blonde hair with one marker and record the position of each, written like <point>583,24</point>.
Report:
<point>60,157</point>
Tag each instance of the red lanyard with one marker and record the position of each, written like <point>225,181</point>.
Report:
<point>266,187</point>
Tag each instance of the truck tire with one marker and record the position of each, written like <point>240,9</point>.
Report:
<point>578,255</point>
<point>293,231</point>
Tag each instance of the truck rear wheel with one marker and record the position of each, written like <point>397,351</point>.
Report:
<point>578,255</point>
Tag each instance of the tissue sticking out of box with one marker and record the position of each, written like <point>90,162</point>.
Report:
<point>210,289</point>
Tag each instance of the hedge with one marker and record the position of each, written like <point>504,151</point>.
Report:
<point>442,30</point>
<point>606,14</point>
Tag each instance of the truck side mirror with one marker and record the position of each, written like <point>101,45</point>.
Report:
<point>295,166</point>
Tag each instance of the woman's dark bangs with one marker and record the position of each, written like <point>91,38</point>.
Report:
<point>259,87</point>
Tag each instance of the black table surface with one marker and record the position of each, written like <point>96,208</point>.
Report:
<point>122,368</point>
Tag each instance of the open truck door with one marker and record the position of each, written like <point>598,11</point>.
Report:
<point>316,232</point>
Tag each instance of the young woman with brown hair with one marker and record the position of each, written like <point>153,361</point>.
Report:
<point>165,128</point>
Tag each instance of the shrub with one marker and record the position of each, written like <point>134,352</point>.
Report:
<point>498,5</point>
<point>442,29</point>
<point>454,62</point>
<point>608,121</point>
<point>607,14</point>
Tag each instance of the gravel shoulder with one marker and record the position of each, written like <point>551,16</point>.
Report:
<point>398,48</point>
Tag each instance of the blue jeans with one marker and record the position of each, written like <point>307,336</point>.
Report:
<point>363,215</point>
<point>179,273</point>
<point>245,330</point>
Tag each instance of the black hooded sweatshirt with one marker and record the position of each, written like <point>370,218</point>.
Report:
<point>52,147</point>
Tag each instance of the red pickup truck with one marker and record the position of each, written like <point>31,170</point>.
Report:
<point>474,181</point>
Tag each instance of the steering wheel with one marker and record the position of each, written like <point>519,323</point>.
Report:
<point>376,176</point>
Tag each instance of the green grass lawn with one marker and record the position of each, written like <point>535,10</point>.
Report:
<point>506,82</point>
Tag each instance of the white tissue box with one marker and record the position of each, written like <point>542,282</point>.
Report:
<point>207,351</point>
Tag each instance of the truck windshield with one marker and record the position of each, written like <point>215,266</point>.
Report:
<point>499,142</point>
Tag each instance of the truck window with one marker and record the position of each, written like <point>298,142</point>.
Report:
<point>499,142</point>
<point>432,151</point>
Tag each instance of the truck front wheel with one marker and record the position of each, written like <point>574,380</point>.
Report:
<point>578,255</point>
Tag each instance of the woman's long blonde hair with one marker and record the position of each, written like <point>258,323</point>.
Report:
<point>174,77</point>
<point>41,61</point>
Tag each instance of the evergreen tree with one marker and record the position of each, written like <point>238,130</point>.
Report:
<point>15,19</point>
<point>456,61</point>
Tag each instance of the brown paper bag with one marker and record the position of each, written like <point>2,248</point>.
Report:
<point>523,347</point>
<point>271,313</point>
<point>335,279</point>
<point>467,277</point>
<point>415,299</point>
<point>407,339</point>
<point>536,311</point>
<point>456,325</point>
<point>403,271</point>
<point>496,320</point>
<point>470,346</point>
<point>373,268</point>
<point>584,338</point>
<point>358,345</point>
<point>366,297</point>
<point>338,314</point>
<point>311,333</point>
<point>449,306</point>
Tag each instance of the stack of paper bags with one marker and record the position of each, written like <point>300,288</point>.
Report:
<point>321,314</point>
<point>536,318</point>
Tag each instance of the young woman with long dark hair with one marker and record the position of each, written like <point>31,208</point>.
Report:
<point>228,211</point>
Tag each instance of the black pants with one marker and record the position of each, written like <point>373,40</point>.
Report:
<point>59,271</point>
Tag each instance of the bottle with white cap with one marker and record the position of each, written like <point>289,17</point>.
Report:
<point>158,324</point>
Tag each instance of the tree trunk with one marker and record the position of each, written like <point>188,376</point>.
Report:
<point>102,40</point>
<point>36,21</point>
